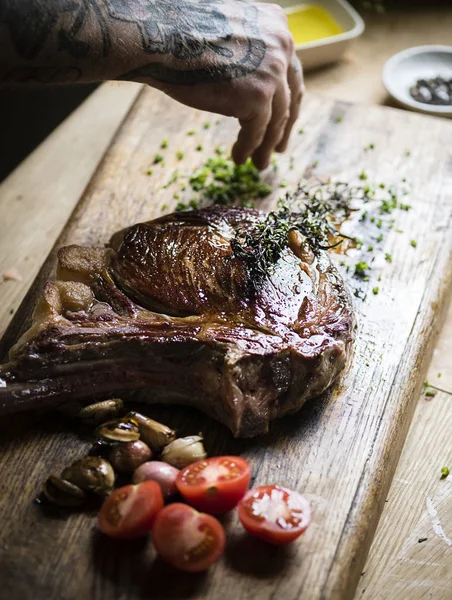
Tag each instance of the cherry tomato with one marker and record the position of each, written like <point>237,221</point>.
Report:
<point>130,510</point>
<point>188,540</point>
<point>215,485</point>
<point>274,514</point>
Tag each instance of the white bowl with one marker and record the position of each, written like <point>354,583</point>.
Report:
<point>330,49</point>
<point>404,69</point>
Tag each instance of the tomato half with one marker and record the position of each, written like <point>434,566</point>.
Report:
<point>215,485</point>
<point>274,514</point>
<point>188,540</point>
<point>130,510</point>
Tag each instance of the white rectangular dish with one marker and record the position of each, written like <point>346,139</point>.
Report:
<point>329,49</point>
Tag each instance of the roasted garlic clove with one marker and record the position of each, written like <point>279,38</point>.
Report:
<point>156,435</point>
<point>101,411</point>
<point>184,451</point>
<point>119,430</point>
<point>63,493</point>
<point>125,458</point>
<point>91,474</point>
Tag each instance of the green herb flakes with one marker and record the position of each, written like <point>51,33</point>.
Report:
<point>206,125</point>
<point>380,238</point>
<point>388,257</point>
<point>413,243</point>
<point>158,158</point>
<point>339,119</point>
<point>363,176</point>
<point>445,471</point>
<point>149,172</point>
<point>370,248</point>
<point>361,267</point>
<point>375,290</point>
<point>300,131</point>
<point>191,132</point>
<point>180,155</point>
<point>199,148</point>
<point>164,144</point>
<point>283,183</point>
<point>430,394</point>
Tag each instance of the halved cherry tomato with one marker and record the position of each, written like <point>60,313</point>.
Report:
<point>188,540</point>
<point>130,510</point>
<point>215,485</point>
<point>274,514</point>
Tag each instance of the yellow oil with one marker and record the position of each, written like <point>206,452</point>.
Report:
<point>308,23</point>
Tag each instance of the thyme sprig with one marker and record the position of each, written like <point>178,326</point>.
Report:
<point>315,209</point>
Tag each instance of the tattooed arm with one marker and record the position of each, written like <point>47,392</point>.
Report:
<point>226,56</point>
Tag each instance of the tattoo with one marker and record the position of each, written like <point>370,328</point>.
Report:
<point>186,30</point>
<point>195,35</point>
<point>32,22</point>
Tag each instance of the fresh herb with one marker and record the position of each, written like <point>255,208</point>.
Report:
<point>206,125</point>
<point>380,237</point>
<point>164,144</point>
<point>370,248</point>
<point>11,311</point>
<point>363,176</point>
<point>406,207</point>
<point>191,132</point>
<point>176,196</point>
<point>413,243</point>
<point>220,150</point>
<point>199,148</point>
<point>181,206</point>
<point>430,394</point>
<point>369,147</point>
<point>361,267</point>
<point>300,131</point>
<point>375,290</point>
<point>149,172</point>
<point>179,155</point>
<point>388,257</point>
<point>445,471</point>
<point>174,177</point>
<point>183,187</point>
<point>158,158</point>
<point>313,209</point>
<point>164,206</point>
<point>366,278</point>
<point>220,181</point>
<point>339,119</point>
<point>382,186</point>
<point>379,223</point>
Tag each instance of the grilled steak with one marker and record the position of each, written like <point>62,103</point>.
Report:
<point>170,308</point>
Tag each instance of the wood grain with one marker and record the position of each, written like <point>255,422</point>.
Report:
<point>340,450</point>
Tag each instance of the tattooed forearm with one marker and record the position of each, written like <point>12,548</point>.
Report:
<point>169,41</point>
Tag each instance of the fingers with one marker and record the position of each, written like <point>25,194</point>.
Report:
<point>251,134</point>
<point>296,85</point>
<point>275,128</point>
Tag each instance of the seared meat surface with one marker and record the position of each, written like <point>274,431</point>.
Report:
<point>169,308</point>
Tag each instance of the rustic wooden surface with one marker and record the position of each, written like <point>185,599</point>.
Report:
<point>49,193</point>
<point>341,451</point>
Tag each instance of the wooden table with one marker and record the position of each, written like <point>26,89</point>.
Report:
<point>36,200</point>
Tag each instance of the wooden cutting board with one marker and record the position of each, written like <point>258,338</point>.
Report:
<point>340,450</point>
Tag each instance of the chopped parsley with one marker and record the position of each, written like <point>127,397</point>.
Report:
<point>430,394</point>
<point>375,290</point>
<point>164,144</point>
<point>388,257</point>
<point>370,248</point>
<point>180,155</point>
<point>149,172</point>
<point>191,132</point>
<point>363,176</point>
<point>206,125</point>
<point>445,471</point>
<point>339,119</point>
<point>199,148</point>
<point>413,243</point>
<point>158,158</point>
<point>361,267</point>
<point>380,237</point>
<point>300,131</point>
<point>164,206</point>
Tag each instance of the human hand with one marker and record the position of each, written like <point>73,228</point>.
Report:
<point>229,57</point>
